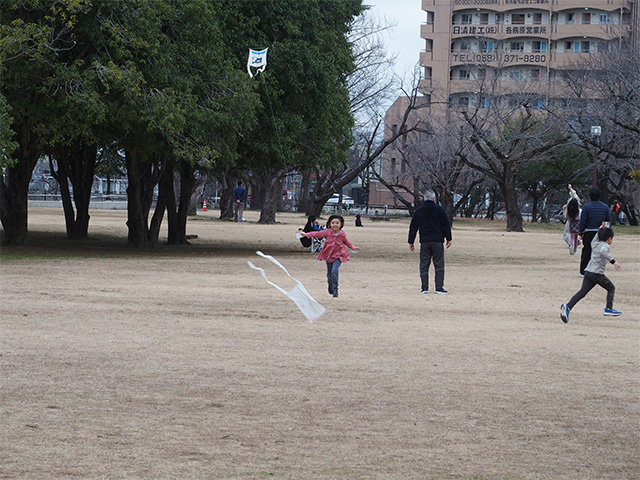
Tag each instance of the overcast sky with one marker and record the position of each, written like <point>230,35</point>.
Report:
<point>404,39</point>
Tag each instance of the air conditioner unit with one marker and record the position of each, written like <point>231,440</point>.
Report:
<point>528,15</point>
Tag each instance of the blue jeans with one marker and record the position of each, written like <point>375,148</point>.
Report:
<point>332,275</point>
<point>428,251</point>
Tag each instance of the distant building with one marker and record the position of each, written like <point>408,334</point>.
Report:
<point>515,42</point>
<point>495,53</point>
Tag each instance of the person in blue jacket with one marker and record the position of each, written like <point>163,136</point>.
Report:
<point>433,224</point>
<point>239,198</point>
<point>594,213</point>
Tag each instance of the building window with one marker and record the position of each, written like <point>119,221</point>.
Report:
<point>586,19</point>
<point>586,47</point>
<point>515,74</point>
<point>403,166</point>
<point>466,19</point>
<point>605,19</point>
<point>484,19</point>
<point>539,47</point>
<point>393,166</point>
<point>570,18</point>
<point>517,19</point>
<point>537,19</point>
<point>463,101</point>
<point>485,102</point>
<point>536,74</point>
<point>568,46</point>
<point>516,46</point>
<point>463,74</point>
<point>540,103</point>
<point>487,47</point>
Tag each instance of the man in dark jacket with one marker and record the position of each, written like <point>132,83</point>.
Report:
<point>432,222</point>
<point>593,214</point>
<point>239,197</point>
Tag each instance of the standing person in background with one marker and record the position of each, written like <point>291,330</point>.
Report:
<point>593,214</point>
<point>239,198</point>
<point>432,222</point>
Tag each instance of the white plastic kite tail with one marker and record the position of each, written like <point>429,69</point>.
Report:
<point>305,302</point>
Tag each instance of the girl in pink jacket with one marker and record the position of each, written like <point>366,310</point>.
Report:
<point>334,251</point>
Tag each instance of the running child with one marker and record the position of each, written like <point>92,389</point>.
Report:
<point>594,274</point>
<point>334,251</point>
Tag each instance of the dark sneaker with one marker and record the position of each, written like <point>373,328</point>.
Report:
<point>441,291</point>
<point>610,312</point>
<point>330,290</point>
<point>564,313</point>
<point>335,295</point>
<point>425,290</point>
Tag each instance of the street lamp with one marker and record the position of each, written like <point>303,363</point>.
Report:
<point>596,131</point>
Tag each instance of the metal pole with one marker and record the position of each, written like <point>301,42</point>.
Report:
<point>595,166</point>
<point>596,131</point>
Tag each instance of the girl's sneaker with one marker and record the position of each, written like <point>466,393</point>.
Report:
<point>564,312</point>
<point>610,312</point>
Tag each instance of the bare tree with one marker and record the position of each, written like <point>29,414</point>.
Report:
<point>371,86</point>
<point>613,92</point>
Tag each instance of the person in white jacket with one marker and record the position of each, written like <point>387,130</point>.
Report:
<point>594,274</point>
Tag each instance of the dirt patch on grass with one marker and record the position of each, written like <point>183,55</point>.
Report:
<point>183,363</point>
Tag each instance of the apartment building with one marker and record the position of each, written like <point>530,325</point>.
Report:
<point>525,44</point>
<point>497,53</point>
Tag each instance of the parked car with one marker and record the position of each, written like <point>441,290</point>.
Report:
<point>347,201</point>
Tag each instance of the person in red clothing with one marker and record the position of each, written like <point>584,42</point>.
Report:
<point>334,251</point>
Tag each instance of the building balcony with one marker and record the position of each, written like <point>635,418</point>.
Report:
<point>507,5</point>
<point>505,87</point>
<point>602,31</point>
<point>570,60</point>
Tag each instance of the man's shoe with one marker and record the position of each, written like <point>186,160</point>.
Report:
<point>425,290</point>
<point>610,312</point>
<point>441,291</point>
<point>564,313</point>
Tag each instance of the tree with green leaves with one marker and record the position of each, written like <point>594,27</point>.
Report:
<point>305,118</point>
<point>32,34</point>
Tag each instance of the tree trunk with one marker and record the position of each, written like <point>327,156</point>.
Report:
<point>534,207</point>
<point>446,198</point>
<point>303,201</point>
<point>76,164</point>
<point>195,195</point>
<point>14,187</point>
<point>143,177</point>
<point>272,197</point>
<point>510,194</point>
<point>178,216</point>
<point>226,195</point>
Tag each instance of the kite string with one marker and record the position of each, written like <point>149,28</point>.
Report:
<point>275,125</point>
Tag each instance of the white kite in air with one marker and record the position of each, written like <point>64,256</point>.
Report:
<point>257,59</point>
<point>305,302</point>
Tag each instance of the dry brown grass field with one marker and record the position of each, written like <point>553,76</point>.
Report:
<point>182,362</point>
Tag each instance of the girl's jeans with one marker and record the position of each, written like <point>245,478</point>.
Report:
<point>589,281</point>
<point>332,275</point>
